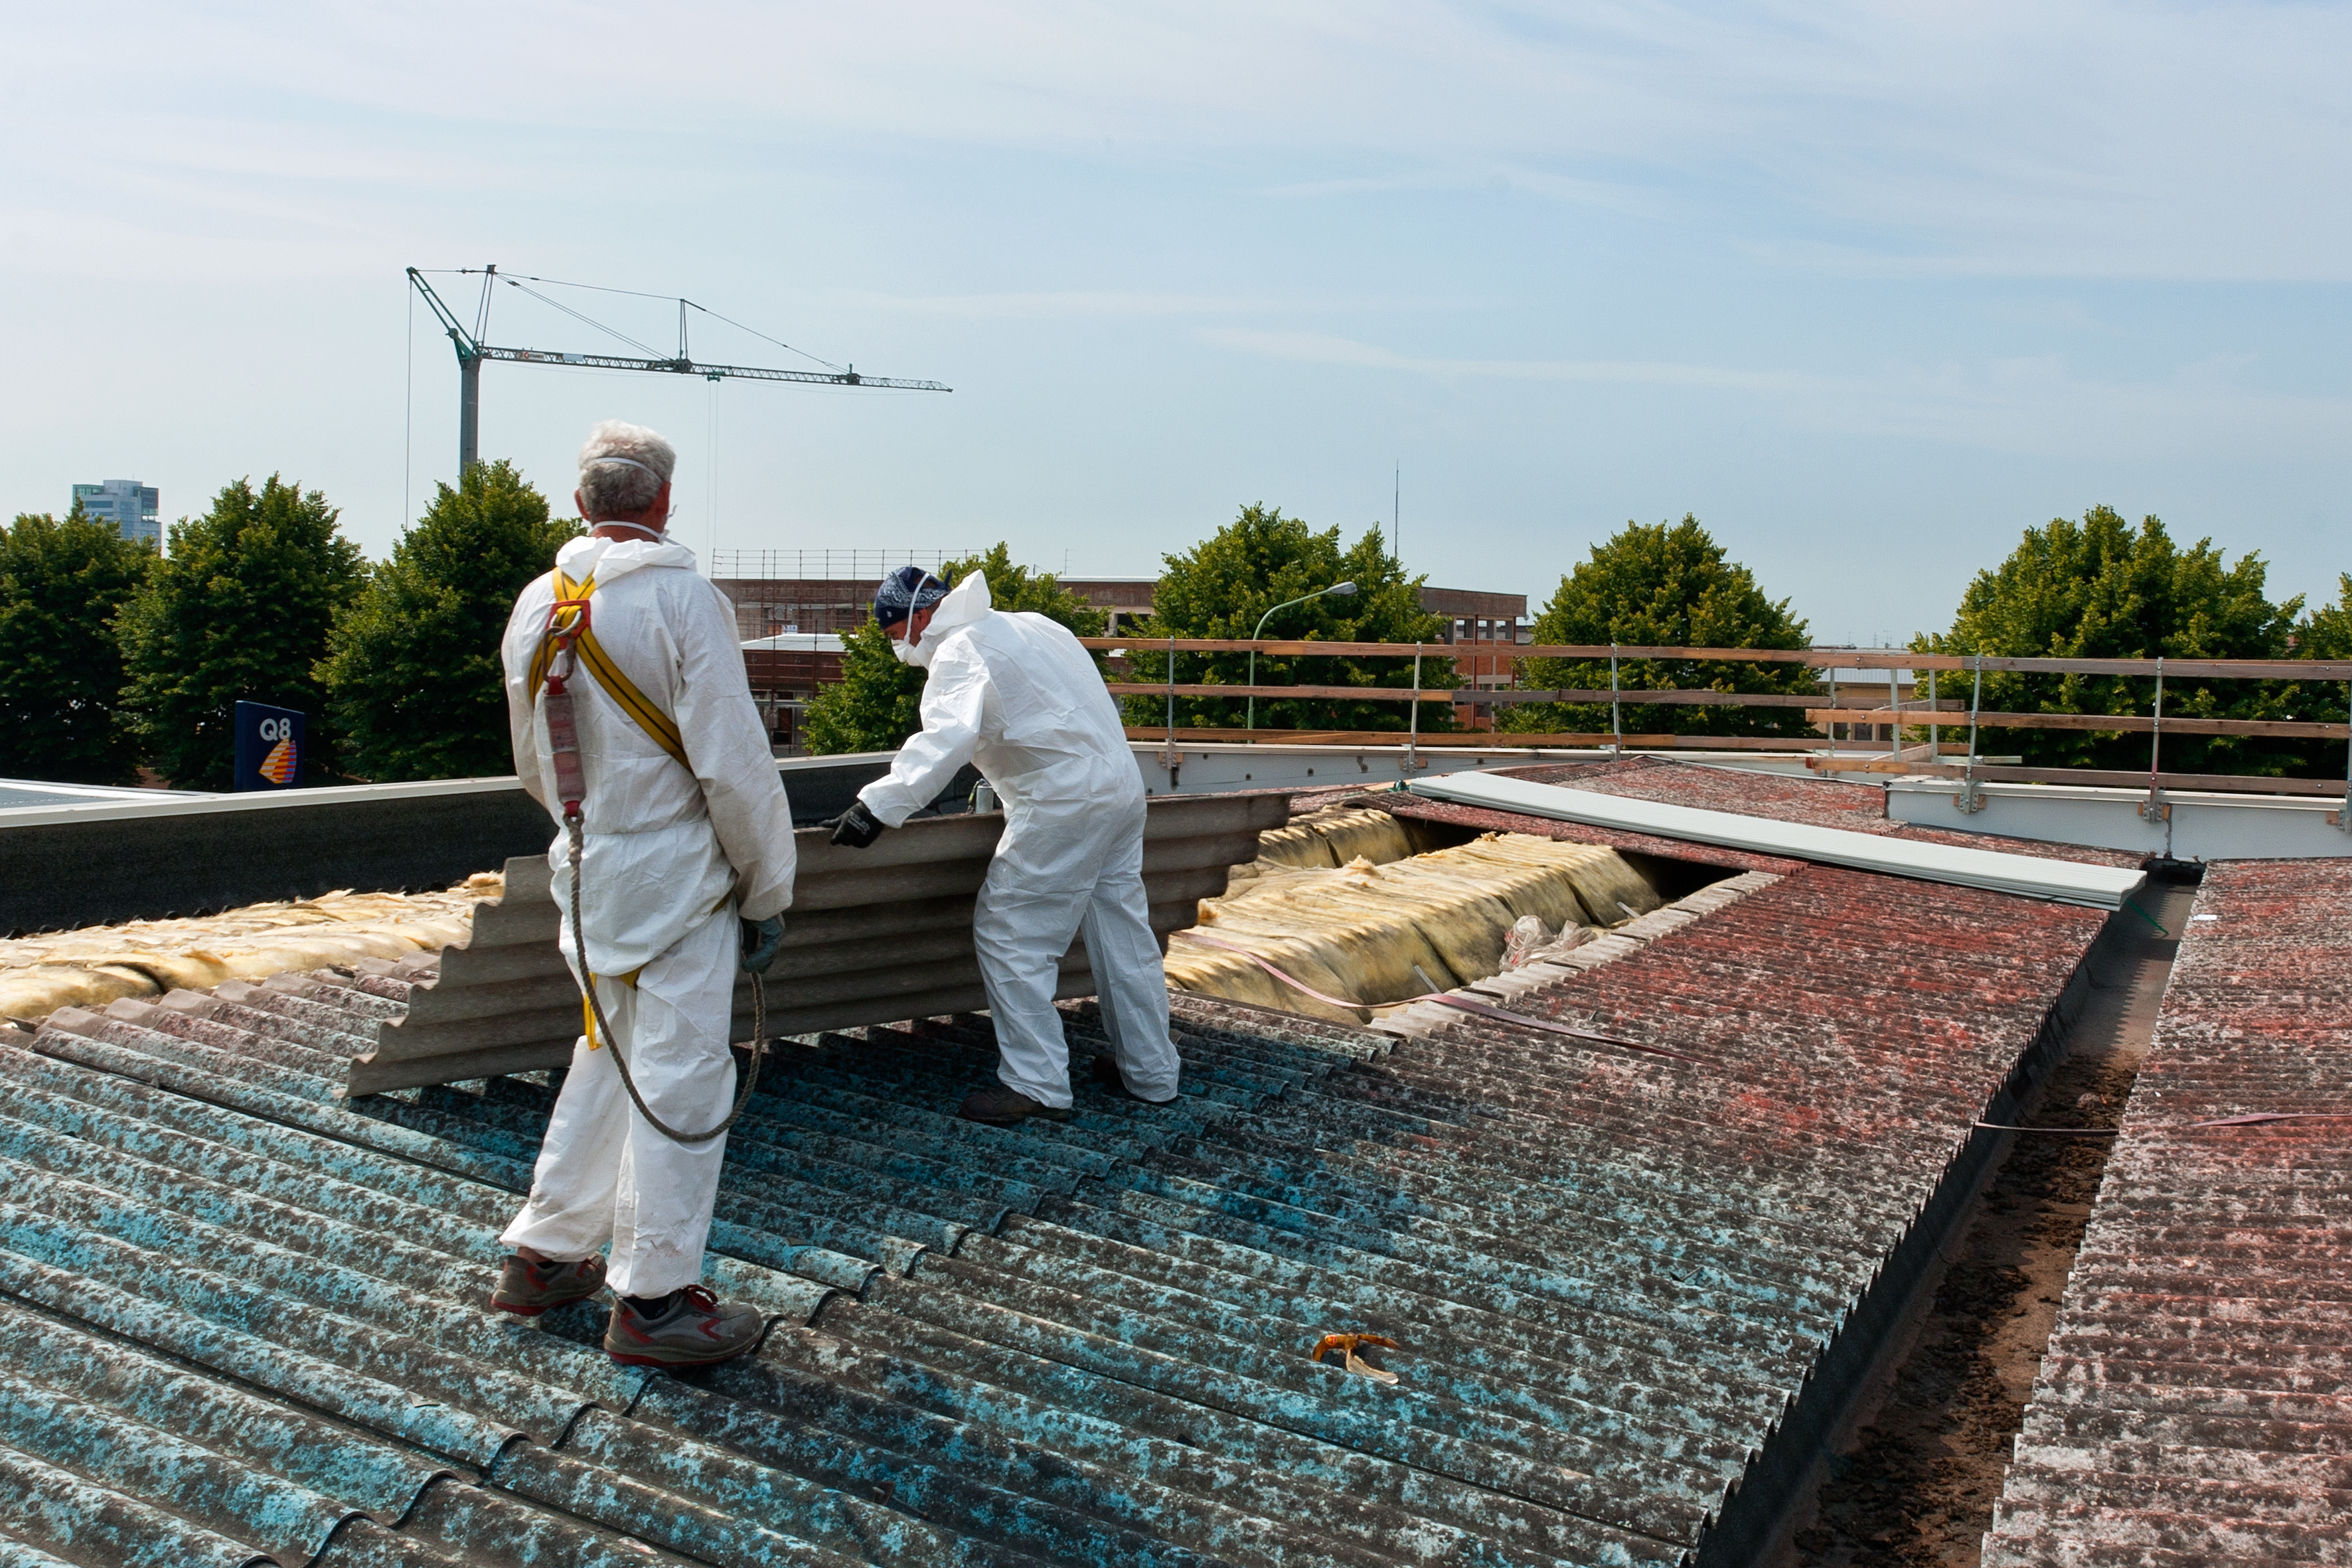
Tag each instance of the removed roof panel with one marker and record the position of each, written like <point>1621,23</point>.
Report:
<point>2033,877</point>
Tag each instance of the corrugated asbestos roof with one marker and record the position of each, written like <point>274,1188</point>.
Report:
<point>239,1317</point>
<point>2193,1404</point>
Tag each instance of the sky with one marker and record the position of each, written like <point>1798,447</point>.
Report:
<point>1867,288</point>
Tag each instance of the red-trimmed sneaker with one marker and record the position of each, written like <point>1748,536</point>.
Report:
<point>691,1330</point>
<point>527,1289</point>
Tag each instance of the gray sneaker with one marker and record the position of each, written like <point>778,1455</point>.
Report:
<point>527,1289</point>
<point>693,1330</point>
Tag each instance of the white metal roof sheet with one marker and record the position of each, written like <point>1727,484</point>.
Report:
<point>2030,876</point>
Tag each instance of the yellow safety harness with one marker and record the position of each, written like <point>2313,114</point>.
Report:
<point>569,620</point>
<point>569,643</point>
<point>569,613</point>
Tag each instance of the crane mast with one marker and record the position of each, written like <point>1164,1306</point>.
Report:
<point>473,349</point>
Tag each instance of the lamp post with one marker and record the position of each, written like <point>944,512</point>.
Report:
<point>1344,590</point>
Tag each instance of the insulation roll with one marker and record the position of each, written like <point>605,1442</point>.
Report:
<point>99,964</point>
<point>1375,934</point>
<point>1334,837</point>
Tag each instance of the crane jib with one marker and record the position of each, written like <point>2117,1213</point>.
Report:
<point>472,350</point>
<point>694,367</point>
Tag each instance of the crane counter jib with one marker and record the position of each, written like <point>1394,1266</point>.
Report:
<point>473,350</point>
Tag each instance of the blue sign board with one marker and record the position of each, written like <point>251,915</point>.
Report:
<point>269,747</point>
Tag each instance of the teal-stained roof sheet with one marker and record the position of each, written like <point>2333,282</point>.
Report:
<point>241,1319</point>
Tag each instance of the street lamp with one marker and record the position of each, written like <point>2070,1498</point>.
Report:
<point>1342,590</point>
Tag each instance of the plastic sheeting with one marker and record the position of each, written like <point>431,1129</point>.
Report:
<point>2028,876</point>
<point>1380,934</point>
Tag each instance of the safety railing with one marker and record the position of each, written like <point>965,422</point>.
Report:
<point>1872,706</point>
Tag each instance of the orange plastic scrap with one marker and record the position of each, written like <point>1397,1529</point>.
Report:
<point>1346,1344</point>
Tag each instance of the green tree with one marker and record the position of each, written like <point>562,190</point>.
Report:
<point>2102,589</point>
<point>1665,586</point>
<point>877,703</point>
<point>1221,587</point>
<point>412,677</point>
<point>60,668</point>
<point>2327,631</point>
<point>239,609</point>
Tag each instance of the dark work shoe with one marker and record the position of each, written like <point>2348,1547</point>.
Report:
<point>1107,1077</point>
<point>691,1330</point>
<point>527,1289</point>
<point>1001,1105</point>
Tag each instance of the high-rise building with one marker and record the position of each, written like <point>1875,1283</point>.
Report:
<point>126,503</point>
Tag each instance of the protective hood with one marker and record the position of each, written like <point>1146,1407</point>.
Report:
<point>611,559</point>
<point>967,602</point>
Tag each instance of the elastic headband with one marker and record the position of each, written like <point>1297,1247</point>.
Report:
<point>628,463</point>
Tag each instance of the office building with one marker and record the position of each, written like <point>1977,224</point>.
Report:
<point>126,503</point>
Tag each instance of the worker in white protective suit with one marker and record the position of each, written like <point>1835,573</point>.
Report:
<point>686,869</point>
<point>1016,694</point>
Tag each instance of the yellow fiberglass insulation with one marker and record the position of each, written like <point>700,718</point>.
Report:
<point>95,964</point>
<point>1376,934</point>
<point>1333,837</point>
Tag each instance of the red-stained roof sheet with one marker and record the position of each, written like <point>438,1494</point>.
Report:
<point>2193,1404</point>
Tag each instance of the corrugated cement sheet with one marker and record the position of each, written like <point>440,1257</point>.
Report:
<point>2028,876</point>
<point>240,1316</point>
<point>2194,1404</point>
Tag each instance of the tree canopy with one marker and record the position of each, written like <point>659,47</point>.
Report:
<point>1668,585</point>
<point>1221,587</point>
<point>2327,631</point>
<point>239,609</point>
<point>61,584</point>
<point>2104,589</point>
<point>877,703</point>
<point>412,677</point>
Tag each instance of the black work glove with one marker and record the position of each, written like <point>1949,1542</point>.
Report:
<point>856,827</point>
<point>762,940</point>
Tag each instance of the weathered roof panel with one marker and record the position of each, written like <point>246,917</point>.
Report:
<point>2193,1404</point>
<point>241,1316</point>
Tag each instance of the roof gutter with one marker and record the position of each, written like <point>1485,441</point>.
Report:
<point>2026,876</point>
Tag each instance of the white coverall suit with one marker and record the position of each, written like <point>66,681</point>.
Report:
<point>1015,694</point>
<point>671,858</point>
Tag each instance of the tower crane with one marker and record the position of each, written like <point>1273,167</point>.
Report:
<point>472,350</point>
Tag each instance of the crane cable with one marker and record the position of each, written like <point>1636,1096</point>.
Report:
<point>511,279</point>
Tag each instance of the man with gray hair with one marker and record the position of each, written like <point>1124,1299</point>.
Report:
<point>685,868</point>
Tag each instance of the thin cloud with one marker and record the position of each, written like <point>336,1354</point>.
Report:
<point>1313,348</point>
<point>2023,405</point>
<point>2081,138</point>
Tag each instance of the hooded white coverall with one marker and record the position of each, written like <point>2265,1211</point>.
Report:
<point>670,858</point>
<point>1015,694</point>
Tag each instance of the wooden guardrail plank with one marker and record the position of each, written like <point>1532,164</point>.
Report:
<point>2114,722</point>
<point>2109,778</point>
<point>1357,693</point>
<point>1819,658</point>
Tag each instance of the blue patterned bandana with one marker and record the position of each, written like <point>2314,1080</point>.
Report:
<point>905,591</point>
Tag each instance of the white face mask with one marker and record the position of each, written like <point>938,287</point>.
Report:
<point>917,654</point>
